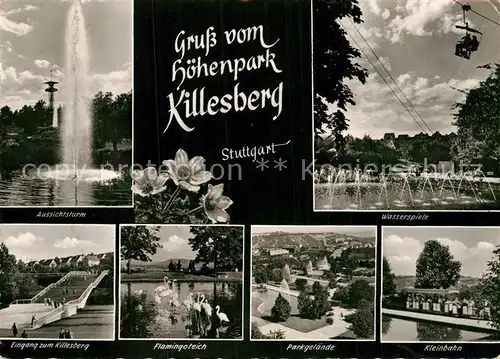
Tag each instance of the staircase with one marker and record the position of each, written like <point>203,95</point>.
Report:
<point>71,288</point>
<point>78,299</point>
<point>52,285</point>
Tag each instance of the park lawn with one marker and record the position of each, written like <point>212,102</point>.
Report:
<point>157,276</point>
<point>304,325</point>
<point>293,321</point>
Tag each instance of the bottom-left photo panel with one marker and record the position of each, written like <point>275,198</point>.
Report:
<point>57,281</point>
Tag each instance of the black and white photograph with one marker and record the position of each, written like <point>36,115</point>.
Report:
<point>441,284</point>
<point>57,282</point>
<point>182,282</point>
<point>66,103</point>
<point>313,283</point>
<point>408,121</point>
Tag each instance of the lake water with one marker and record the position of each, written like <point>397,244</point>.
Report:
<point>268,298</point>
<point>407,330</point>
<point>171,322</point>
<point>18,190</point>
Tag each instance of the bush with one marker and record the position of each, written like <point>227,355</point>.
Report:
<point>329,320</point>
<point>363,323</point>
<point>281,309</point>
<point>365,304</point>
<point>301,284</point>
<point>255,332</point>
<point>357,291</point>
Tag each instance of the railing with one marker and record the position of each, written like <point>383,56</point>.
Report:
<point>83,298</point>
<point>21,301</point>
<point>70,308</point>
<point>55,284</point>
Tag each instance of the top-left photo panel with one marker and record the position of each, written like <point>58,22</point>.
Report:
<point>66,99</point>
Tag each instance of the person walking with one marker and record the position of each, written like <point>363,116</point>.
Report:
<point>33,318</point>
<point>62,334</point>
<point>14,330</point>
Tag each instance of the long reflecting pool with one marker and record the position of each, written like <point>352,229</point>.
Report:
<point>395,329</point>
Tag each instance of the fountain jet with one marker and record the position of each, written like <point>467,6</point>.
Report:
<point>77,125</point>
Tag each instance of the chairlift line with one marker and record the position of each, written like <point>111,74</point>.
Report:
<point>383,78</point>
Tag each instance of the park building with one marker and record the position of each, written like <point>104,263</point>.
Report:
<point>278,252</point>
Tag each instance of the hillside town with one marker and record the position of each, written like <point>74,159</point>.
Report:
<point>82,260</point>
<point>316,282</point>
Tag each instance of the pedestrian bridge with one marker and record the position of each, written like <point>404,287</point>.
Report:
<point>75,288</point>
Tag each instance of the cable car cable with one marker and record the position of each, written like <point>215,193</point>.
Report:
<point>478,14</point>
<point>383,78</point>
<point>390,75</point>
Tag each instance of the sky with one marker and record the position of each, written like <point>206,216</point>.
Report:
<point>364,231</point>
<point>175,244</point>
<point>415,40</point>
<point>473,247</point>
<point>35,242</point>
<point>32,43</point>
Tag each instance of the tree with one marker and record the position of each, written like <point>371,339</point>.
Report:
<point>357,291</point>
<point>388,284</point>
<point>281,309</point>
<point>218,244</point>
<point>478,120</point>
<point>334,61</point>
<point>260,276</point>
<point>306,306</point>
<point>321,303</point>
<point>363,323</point>
<point>139,243</point>
<point>300,284</point>
<point>8,272</point>
<point>435,267</point>
<point>489,288</point>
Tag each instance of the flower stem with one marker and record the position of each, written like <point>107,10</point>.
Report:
<point>172,199</point>
<point>195,210</point>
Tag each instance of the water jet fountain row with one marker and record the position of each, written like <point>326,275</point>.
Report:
<point>337,181</point>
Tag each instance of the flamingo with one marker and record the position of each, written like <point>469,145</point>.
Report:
<point>188,302</point>
<point>196,305</point>
<point>222,316</point>
<point>162,288</point>
<point>206,306</point>
<point>157,299</point>
<point>174,302</point>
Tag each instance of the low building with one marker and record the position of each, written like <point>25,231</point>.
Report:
<point>278,252</point>
<point>93,261</point>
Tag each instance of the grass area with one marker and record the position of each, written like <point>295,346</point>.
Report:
<point>157,276</point>
<point>293,322</point>
<point>301,324</point>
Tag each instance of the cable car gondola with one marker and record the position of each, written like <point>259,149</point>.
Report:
<point>469,43</point>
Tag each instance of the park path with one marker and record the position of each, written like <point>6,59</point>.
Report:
<point>464,322</point>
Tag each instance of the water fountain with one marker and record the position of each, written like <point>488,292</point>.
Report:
<point>76,131</point>
<point>406,185</point>
<point>286,273</point>
<point>427,190</point>
<point>426,182</point>
<point>309,267</point>
<point>286,289</point>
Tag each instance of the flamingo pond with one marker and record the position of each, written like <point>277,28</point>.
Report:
<point>178,310</point>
